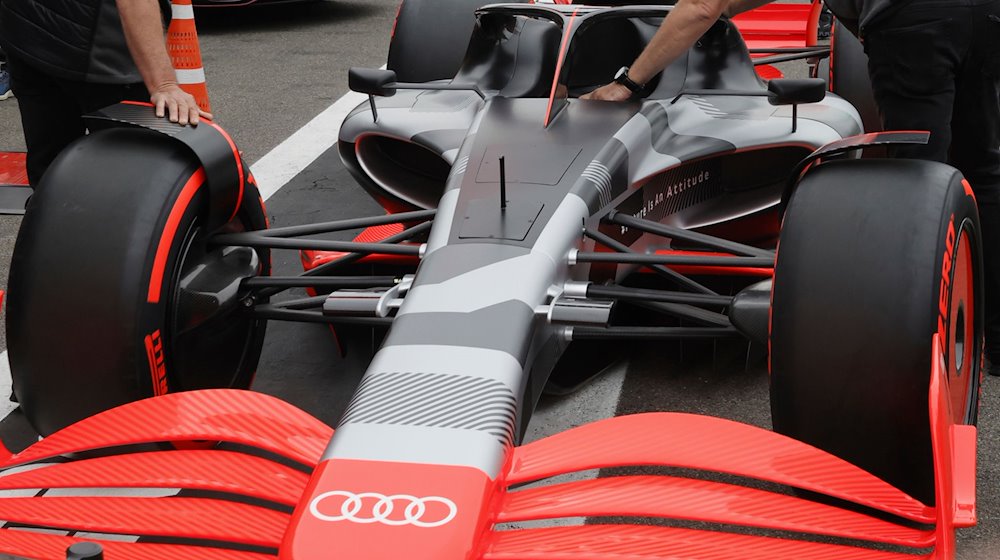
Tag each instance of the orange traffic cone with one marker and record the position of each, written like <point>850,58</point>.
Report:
<point>182,45</point>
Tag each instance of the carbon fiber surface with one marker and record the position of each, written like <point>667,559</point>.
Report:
<point>238,417</point>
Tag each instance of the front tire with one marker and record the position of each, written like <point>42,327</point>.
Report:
<point>113,289</point>
<point>875,257</point>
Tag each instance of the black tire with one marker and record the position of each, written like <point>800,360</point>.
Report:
<point>846,74</point>
<point>430,38</point>
<point>95,316</point>
<point>865,261</point>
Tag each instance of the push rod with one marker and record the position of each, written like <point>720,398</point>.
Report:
<point>328,267</point>
<point>300,303</point>
<point>693,260</point>
<point>298,316</point>
<point>673,232</point>
<point>320,282</point>
<point>663,271</point>
<point>622,292</point>
<point>260,241</point>
<point>650,333</point>
<point>689,312</point>
<point>341,225</point>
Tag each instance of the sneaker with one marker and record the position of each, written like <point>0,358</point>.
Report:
<point>825,25</point>
<point>5,91</point>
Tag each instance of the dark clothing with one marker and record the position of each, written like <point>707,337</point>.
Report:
<point>67,58</point>
<point>51,110</point>
<point>858,15</point>
<point>935,65</point>
<point>78,40</point>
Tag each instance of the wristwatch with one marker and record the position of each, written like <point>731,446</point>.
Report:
<point>621,77</point>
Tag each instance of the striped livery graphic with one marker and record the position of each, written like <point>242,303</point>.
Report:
<point>435,401</point>
<point>598,174</point>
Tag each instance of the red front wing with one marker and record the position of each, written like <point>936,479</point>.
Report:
<point>263,492</point>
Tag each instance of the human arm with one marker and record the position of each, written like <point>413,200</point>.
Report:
<point>683,26</point>
<point>143,26</point>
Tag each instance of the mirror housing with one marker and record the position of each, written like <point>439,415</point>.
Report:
<point>793,91</point>
<point>372,81</point>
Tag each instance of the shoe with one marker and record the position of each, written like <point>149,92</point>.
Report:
<point>825,25</point>
<point>5,91</point>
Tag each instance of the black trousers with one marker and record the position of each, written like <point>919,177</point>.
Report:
<point>52,110</point>
<point>935,65</point>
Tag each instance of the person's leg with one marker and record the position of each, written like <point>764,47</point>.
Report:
<point>975,150</point>
<point>52,109</point>
<point>49,118</point>
<point>92,97</point>
<point>912,60</point>
<point>5,91</point>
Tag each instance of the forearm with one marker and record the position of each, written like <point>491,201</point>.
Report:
<point>685,24</point>
<point>143,26</point>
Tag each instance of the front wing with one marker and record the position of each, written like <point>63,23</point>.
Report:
<point>259,490</point>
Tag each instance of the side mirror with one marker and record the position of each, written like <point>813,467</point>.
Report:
<point>372,81</point>
<point>790,91</point>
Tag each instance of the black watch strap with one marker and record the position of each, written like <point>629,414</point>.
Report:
<point>622,78</point>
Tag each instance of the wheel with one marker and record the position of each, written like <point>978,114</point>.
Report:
<point>430,37</point>
<point>114,294</point>
<point>846,74</point>
<point>876,256</point>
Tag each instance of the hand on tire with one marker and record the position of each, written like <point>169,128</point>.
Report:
<point>177,105</point>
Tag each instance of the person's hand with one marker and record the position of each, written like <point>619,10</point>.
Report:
<point>610,92</point>
<point>178,105</point>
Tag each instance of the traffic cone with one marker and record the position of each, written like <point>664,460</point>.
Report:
<point>185,54</point>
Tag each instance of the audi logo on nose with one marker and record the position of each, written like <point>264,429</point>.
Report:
<point>372,507</point>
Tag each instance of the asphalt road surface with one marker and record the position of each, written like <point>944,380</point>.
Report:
<point>273,69</point>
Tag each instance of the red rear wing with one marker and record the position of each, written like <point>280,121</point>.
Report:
<point>780,25</point>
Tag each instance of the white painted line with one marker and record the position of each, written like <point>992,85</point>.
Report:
<point>289,158</point>
<point>6,407</point>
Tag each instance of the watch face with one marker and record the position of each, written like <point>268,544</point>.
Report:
<point>621,72</point>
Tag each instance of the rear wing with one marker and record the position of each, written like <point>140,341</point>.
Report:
<point>780,26</point>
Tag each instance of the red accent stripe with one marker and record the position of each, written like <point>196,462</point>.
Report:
<point>173,222</point>
<point>13,169</point>
<point>713,270</point>
<point>968,189</point>
<point>562,55</point>
<point>239,165</point>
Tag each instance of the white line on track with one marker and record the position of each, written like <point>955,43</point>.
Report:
<point>289,158</point>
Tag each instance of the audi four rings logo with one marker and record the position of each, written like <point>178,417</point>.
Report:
<point>372,507</point>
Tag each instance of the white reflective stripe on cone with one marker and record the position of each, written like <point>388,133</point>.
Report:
<point>196,76</point>
<point>182,11</point>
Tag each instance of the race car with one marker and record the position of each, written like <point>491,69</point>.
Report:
<point>524,226</point>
